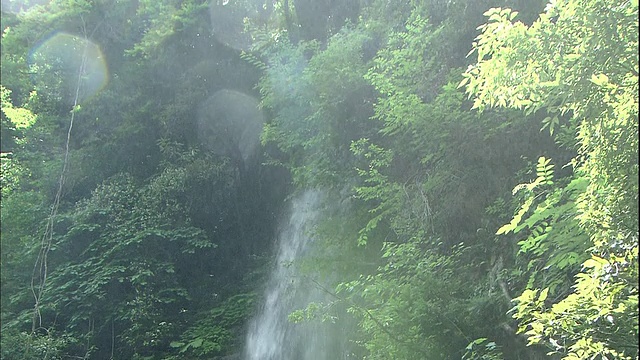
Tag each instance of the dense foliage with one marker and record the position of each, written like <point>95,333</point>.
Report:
<point>479,161</point>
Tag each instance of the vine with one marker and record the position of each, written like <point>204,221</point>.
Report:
<point>41,268</point>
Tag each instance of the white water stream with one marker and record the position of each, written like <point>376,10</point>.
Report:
<point>271,335</point>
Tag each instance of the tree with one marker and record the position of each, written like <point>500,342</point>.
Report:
<point>415,192</point>
<point>584,76</point>
<point>148,236</point>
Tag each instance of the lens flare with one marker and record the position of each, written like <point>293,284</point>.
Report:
<point>230,123</point>
<point>65,66</point>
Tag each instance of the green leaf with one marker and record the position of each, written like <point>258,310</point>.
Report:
<point>595,262</point>
<point>600,80</point>
<point>463,82</point>
<point>20,117</point>
<point>543,295</point>
<point>505,229</point>
<point>196,343</point>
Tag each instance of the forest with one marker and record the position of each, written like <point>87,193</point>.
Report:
<point>470,172</point>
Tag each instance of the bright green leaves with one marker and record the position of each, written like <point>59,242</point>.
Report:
<point>506,74</point>
<point>600,80</point>
<point>517,218</point>
<point>543,295</point>
<point>555,246</point>
<point>20,117</point>
<point>544,170</point>
<point>548,215</point>
<point>577,62</point>
<point>499,21</point>
<point>500,33</point>
<point>599,314</point>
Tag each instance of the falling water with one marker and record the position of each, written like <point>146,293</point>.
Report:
<point>271,335</point>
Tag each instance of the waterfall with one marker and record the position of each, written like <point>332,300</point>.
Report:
<point>271,335</point>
